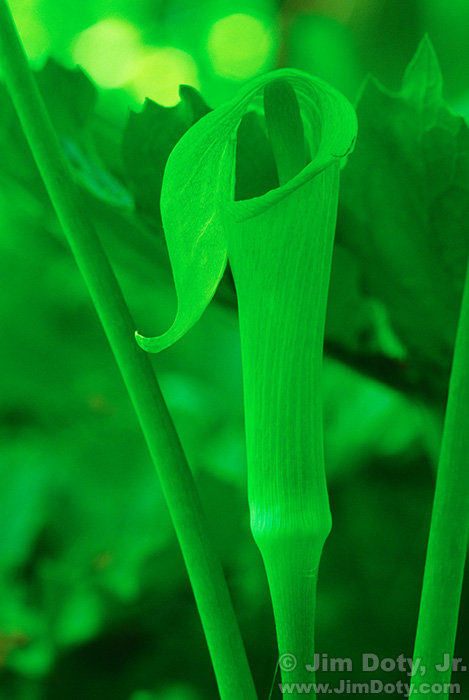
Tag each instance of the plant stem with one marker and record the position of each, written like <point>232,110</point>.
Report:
<point>449,530</point>
<point>281,341</point>
<point>282,317</point>
<point>203,565</point>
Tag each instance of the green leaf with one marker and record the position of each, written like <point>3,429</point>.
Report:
<point>70,98</point>
<point>62,88</point>
<point>351,319</point>
<point>149,138</point>
<point>405,209</point>
<point>198,196</point>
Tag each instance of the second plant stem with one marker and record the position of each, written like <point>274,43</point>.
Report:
<point>449,530</point>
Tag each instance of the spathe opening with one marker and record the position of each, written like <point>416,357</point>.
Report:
<point>278,136</point>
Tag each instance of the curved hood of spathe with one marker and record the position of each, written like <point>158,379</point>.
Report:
<point>197,198</point>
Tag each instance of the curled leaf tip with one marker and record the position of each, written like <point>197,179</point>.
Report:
<point>147,344</point>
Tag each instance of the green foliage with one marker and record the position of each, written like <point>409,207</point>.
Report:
<point>88,547</point>
<point>149,138</point>
<point>405,212</point>
<point>353,332</point>
<point>202,562</point>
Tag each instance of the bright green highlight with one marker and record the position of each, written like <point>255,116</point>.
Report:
<point>159,73</point>
<point>108,51</point>
<point>29,19</point>
<point>113,53</point>
<point>239,46</point>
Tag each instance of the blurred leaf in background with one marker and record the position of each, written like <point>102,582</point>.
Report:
<point>405,211</point>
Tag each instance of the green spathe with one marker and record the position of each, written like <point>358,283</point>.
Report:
<point>279,246</point>
<point>199,213</point>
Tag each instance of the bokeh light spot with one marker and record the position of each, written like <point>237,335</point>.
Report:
<point>108,51</point>
<point>31,27</point>
<point>159,74</point>
<point>239,46</point>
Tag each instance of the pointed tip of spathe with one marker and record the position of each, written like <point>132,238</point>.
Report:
<point>156,343</point>
<point>145,343</point>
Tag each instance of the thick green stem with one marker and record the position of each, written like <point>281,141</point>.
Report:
<point>203,565</point>
<point>447,544</point>
<point>281,340</point>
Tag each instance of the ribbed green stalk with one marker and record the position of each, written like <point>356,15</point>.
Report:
<point>447,544</point>
<point>203,565</point>
<point>282,317</point>
<point>281,320</point>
